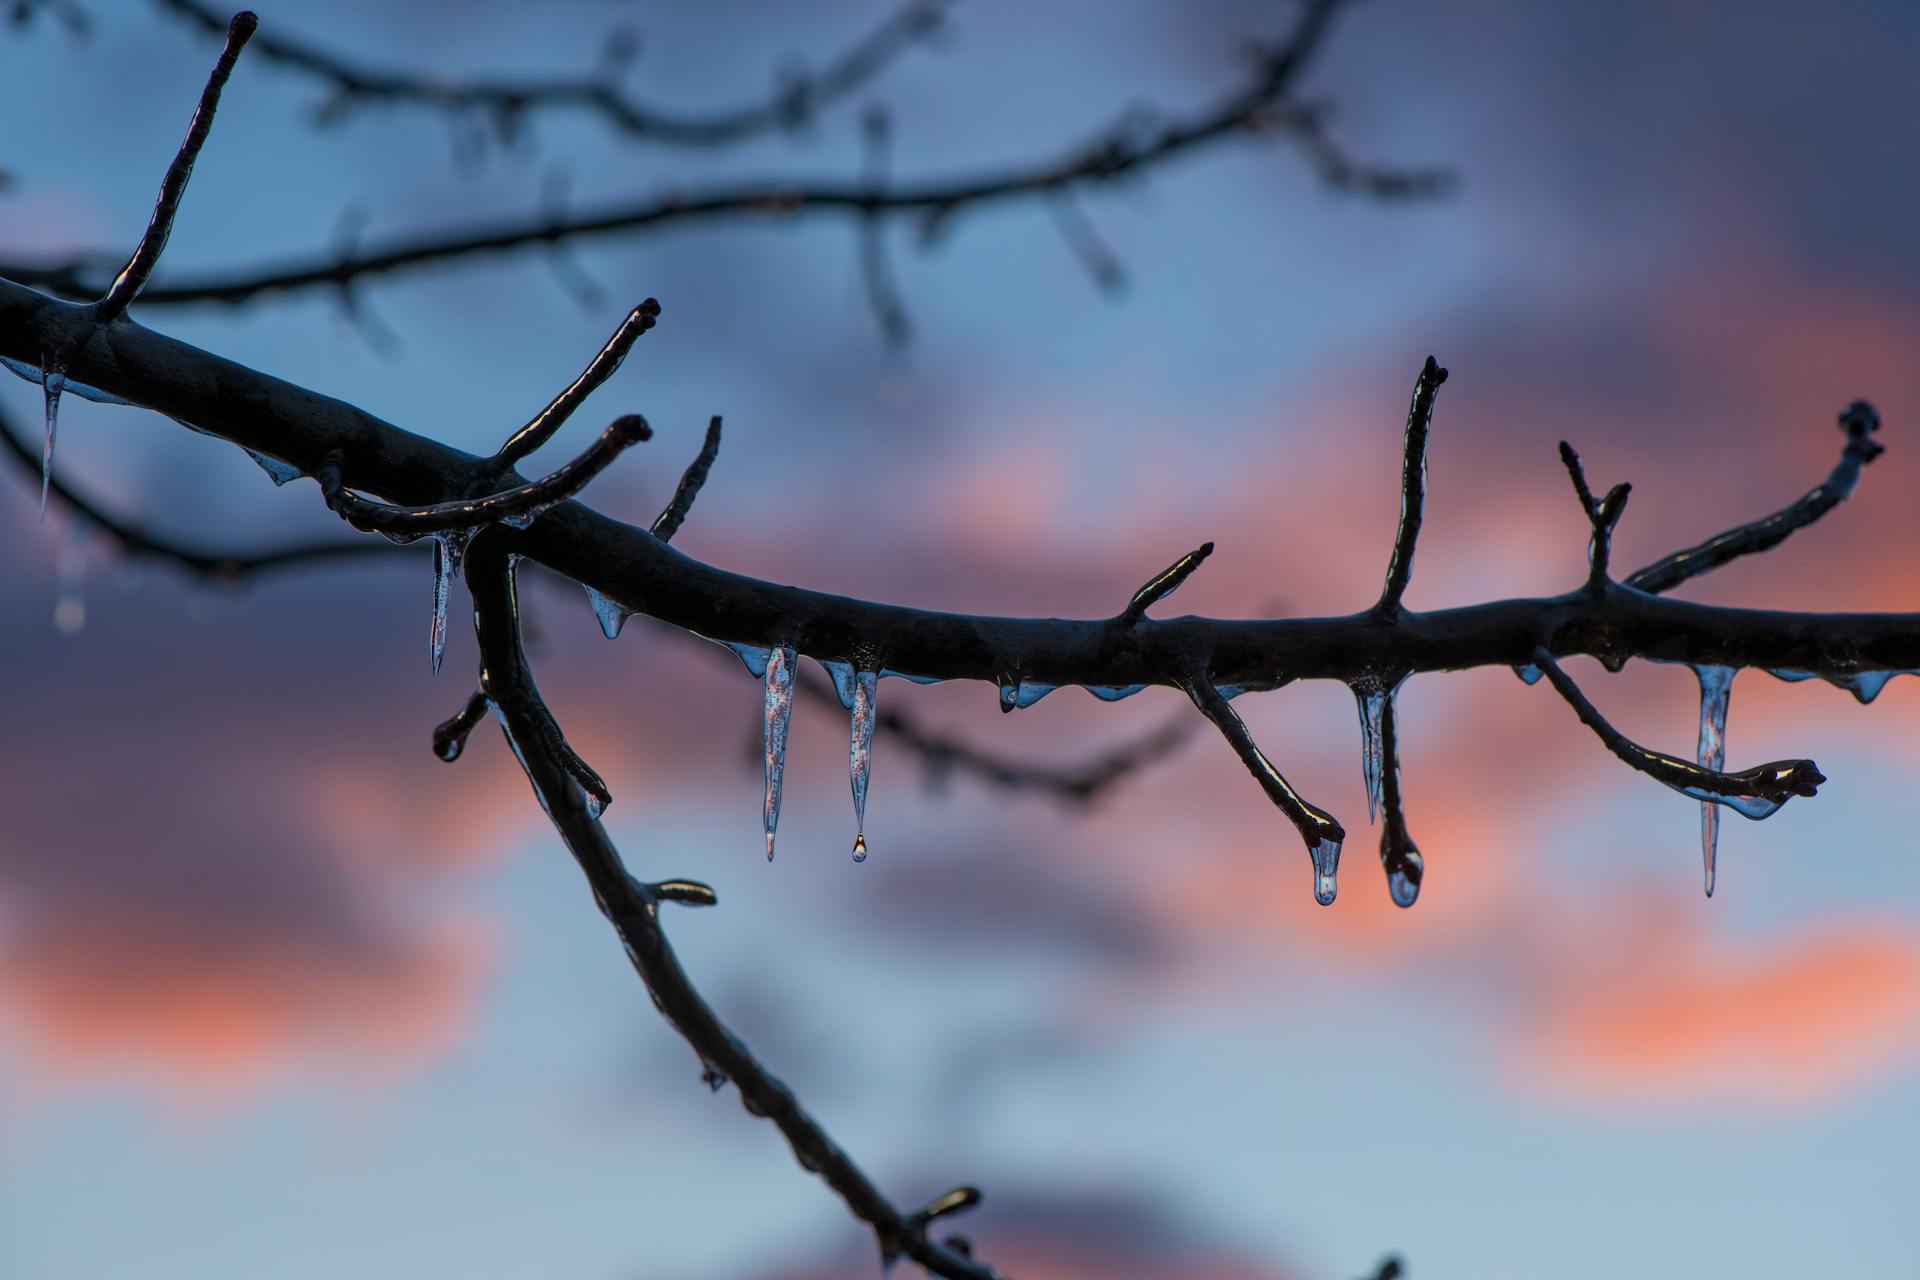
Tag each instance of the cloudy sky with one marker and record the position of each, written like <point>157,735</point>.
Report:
<point>281,994</point>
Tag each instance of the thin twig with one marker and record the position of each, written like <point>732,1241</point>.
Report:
<point>1162,585</point>
<point>1413,484</point>
<point>542,425</point>
<point>668,522</point>
<point>1602,514</point>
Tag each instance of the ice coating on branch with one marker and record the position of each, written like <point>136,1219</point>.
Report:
<point>30,373</point>
<point>779,671</point>
<point>866,686</point>
<point>1113,692</point>
<point>1528,673</point>
<point>841,673</point>
<point>277,471</point>
<point>886,673</point>
<point>1716,683</point>
<point>53,381</point>
<point>612,616</point>
<point>753,656</point>
<point>1372,703</point>
<point>1403,880</point>
<point>1009,694</point>
<point>1326,869</point>
<point>448,550</point>
<point>1030,692</point>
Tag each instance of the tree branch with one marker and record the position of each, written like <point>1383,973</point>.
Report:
<point>796,102</point>
<point>1413,485</point>
<point>1260,108</point>
<point>633,907</point>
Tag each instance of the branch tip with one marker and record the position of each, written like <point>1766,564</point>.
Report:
<point>1162,585</point>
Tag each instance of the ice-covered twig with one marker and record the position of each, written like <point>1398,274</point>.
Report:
<point>667,523</point>
<point>518,505</point>
<point>1602,514</point>
<point>450,735</point>
<point>1320,830</point>
<point>1413,485</point>
<point>1260,108</point>
<point>1754,792</point>
<point>133,277</point>
<point>1858,421</point>
<point>632,907</point>
<point>1399,856</point>
<point>1162,585</point>
<point>796,102</point>
<point>541,427</point>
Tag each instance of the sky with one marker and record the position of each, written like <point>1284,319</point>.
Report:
<point>281,994</point>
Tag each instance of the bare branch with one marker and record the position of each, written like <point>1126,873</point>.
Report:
<point>1162,585</point>
<point>549,420</point>
<point>1260,109</point>
<point>632,907</point>
<point>1752,793</point>
<point>1858,421</point>
<point>1602,514</point>
<point>668,522</point>
<point>1399,856</point>
<point>796,102</point>
<point>1321,830</point>
<point>519,506</point>
<point>133,277</point>
<point>1413,485</point>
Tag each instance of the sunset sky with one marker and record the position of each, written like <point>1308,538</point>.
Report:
<point>281,994</point>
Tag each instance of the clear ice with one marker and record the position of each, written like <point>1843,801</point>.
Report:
<point>860,754</point>
<point>53,381</point>
<point>612,616</point>
<point>1372,704</point>
<point>449,549</point>
<point>779,668</point>
<point>1326,868</point>
<point>1716,683</point>
<point>277,471</point>
<point>841,673</point>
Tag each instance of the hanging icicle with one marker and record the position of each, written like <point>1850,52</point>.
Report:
<point>780,665</point>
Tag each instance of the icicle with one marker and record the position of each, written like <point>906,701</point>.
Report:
<point>841,673</point>
<point>1326,867</point>
<point>1113,692</point>
<point>449,549</point>
<point>612,616</point>
<point>1790,675</point>
<point>779,668</point>
<point>31,373</point>
<point>53,381</point>
<point>1372,703</point>
<point>277,471</point>
<point>860,755</point>
<point>1528,673</point>
<point>1715,685</point>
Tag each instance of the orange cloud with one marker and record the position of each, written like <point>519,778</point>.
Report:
<point>1791,1023</point>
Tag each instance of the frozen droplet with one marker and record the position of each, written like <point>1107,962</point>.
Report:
<point>902,675</point>
<point>612,616</point>
<point>1528,673</point>
<point>448,550</point>
<point>1866,685</point>
<point>1372,704</point>
<point>1716,683</point>
<point>1030,692</point>
<point>1009,693</point>
<point>866,686</point>
<point>753,656</point>
<point>595,806</point>
<point>841,673</point>
<point>277,471</point>
<point>779,674</point>
<point>52,383</point>
<point>1790,674</point>
<point>1113,692</point>
<point>1403,879</point>
<point>1326,870</point>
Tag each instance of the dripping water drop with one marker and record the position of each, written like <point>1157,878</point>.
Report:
<point>1326,869</point>
<point>53,380</point>
<point>612,616</point>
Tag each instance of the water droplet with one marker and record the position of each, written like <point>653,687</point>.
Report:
<point>1372,703</point>
<point>449,549</point>
<point>1716,683</point>
<point>1529,673</point>
<point>1326,869</point>
<point>53,381</point>
<point>866,686</point>
<point>277,471</point>
<point>779,673</point>
<point>612,616</point>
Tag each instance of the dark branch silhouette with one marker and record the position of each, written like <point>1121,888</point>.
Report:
<point>796,102</point>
